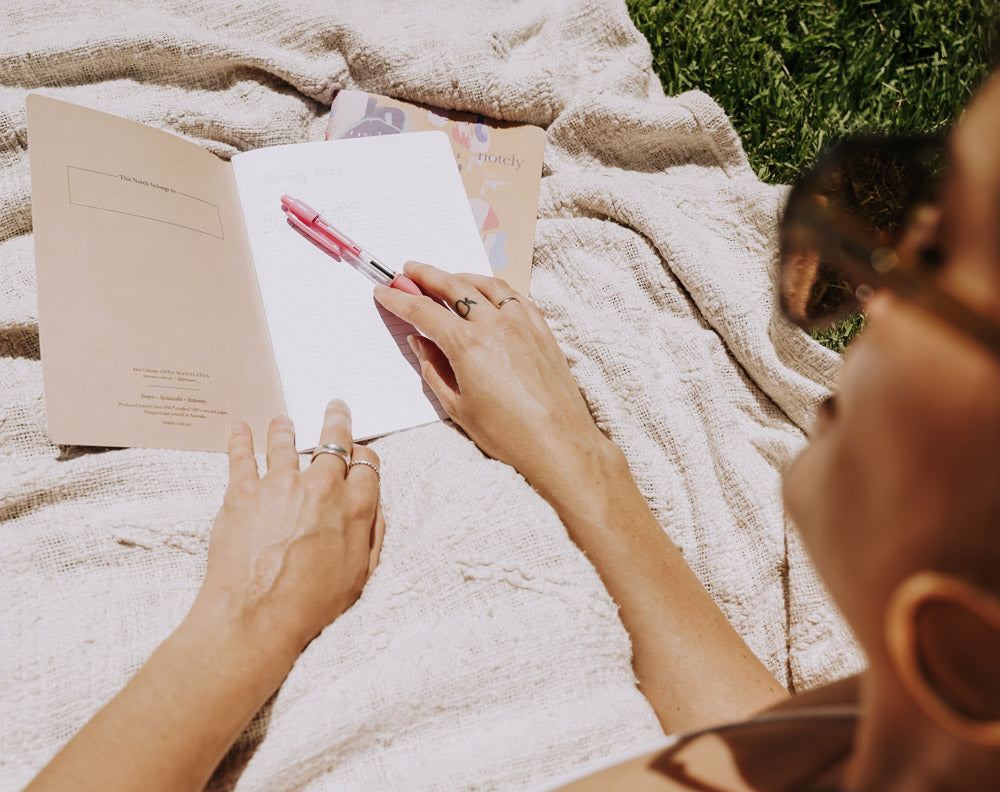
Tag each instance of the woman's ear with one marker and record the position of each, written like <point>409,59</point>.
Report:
<point>943,636</point>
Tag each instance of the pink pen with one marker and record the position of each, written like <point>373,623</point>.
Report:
<point>311,224</point>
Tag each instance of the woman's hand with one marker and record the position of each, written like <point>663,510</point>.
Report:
<point>291,551</point>
<point>497,371</point>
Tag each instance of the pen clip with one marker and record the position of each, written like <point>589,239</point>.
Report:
<point>330,248</point>
<point>308,216</point>
<point>328,245</point>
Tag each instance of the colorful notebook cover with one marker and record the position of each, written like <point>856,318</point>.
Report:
<point>500,164</point>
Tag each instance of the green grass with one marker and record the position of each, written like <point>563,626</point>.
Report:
<point>839,335</point>
<point>794,74</point>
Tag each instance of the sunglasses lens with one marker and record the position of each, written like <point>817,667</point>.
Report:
<point>854,204</point>
<point>814,291</point>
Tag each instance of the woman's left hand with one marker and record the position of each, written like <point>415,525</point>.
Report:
<point>292,550</point>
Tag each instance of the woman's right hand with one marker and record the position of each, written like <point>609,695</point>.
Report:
<point>498,372</point>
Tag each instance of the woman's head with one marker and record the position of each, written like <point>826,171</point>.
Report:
<point>902,474</point>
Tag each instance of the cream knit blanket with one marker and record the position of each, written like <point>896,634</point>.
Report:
<point>485,653</point>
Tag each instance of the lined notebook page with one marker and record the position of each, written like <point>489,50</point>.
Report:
<point>401,198</point>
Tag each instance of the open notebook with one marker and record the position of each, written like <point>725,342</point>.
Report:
<point>174,297</point>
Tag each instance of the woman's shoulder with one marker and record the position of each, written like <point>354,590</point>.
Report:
<point>801,744</point>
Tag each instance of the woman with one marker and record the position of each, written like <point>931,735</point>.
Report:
<point>897,497</point>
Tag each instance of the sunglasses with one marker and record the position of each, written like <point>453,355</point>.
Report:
<point>862,219</point>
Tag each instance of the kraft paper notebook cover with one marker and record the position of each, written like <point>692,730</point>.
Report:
<point>173,297</point>
<point>500,164</point>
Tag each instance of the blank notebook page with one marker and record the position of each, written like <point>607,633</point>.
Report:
<point>398,196</point>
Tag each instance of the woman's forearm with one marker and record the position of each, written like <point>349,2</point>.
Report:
<point>500,374</point>
<point>692,666</point>
<point>173,722</point>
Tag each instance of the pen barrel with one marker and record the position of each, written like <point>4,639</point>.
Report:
<point>364,266</point>
<point>378,266</point>
<point>341,239</point>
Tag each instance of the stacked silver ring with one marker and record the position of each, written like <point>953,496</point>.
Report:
<point>369,464</point>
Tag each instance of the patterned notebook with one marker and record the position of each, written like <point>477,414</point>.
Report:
<point>500,164</point>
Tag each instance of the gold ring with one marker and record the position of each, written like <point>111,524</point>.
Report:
<point>507,300</point>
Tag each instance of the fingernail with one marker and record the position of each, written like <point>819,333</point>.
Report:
<point>380,289</point>
<point>336,403</point>
<point>236,427</point>
<point>414,344</point>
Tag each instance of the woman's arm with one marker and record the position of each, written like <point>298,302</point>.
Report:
<point>501,376</point>
<point>289,553</point>
<point>173,722</point>
<point>692,666</point>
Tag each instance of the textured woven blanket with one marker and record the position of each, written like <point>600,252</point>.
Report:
<point>484,653</point>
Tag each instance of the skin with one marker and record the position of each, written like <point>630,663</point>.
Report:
<point>900,478</point>
<point>905,470</point>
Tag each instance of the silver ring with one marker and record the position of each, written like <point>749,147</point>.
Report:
<point>365,462</point>
<point>507,300</point>
<point>336,450</point>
